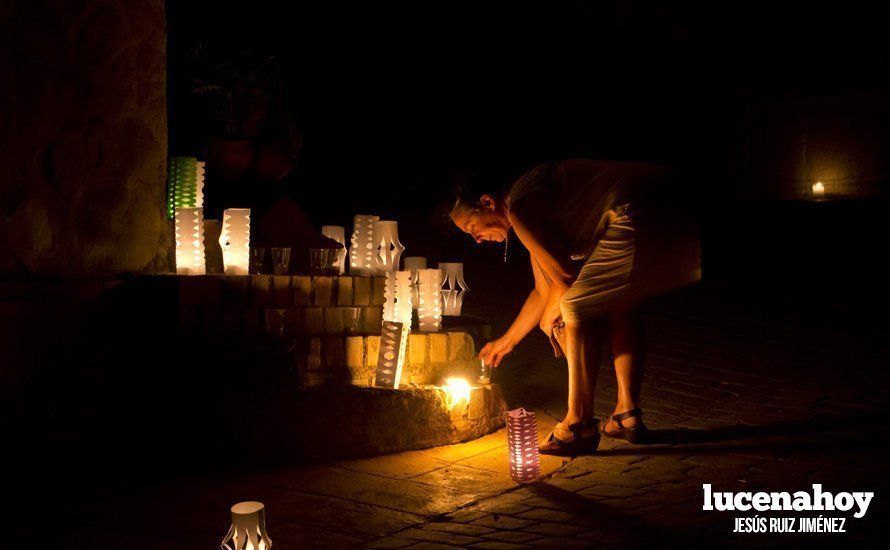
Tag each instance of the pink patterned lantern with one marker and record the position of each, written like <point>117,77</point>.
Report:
<point>522,445</point>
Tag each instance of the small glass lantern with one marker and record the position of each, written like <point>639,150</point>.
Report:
<point>361,251</point>
<point>338,234</point>
<point>235,241</point>
<point>387,248</point>
<point>429,309</point>
<point>453,288</point>
<point>248,530</point>
<point>189,234</point>
<point>522,445</point>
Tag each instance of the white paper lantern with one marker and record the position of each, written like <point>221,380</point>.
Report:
<point>522,445</point>
<point>361,250</point>
<point>429,308</point>
<point>234,239</point>
<point>338,234</point>
<point>396,313</point>
<point>387,248</point>
<point>248,530</point>
<point>453,288</point>
<point>390,357</point>
<point>413,264</point>
<point>189,234</point>
<point>397,298</point>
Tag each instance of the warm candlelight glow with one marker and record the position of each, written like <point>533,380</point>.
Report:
<point>457,390</point>
<point>818,189</point>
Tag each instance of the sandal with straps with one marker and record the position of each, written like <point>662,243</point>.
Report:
<point>579,444</point>
<point>634,434</point>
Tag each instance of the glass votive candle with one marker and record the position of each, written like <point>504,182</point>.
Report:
<point>280,260</point>
<point>349,317</point>
<point>323,261</point>
<point>257,260</point>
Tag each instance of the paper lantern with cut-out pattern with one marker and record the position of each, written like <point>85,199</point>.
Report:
<point>248,530</point>
<point>189,235</point>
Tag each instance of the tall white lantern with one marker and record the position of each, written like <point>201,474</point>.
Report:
<point>396,327</point>
<point>189,234</point>
<point>453,287</point>
<point>361,251</point>
<point>338,234</point>
<point>248,530</point>
<point>387,248</point>
<point>413,264</point>
<point>234,239</point>
<point>397,298</point>
<point>429,308</point>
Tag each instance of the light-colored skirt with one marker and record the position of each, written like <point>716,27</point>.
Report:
<point>643,252</point>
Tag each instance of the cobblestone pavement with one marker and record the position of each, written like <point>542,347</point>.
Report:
<point>736,397</point>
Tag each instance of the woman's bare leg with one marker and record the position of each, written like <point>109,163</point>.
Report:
<point>628,350</point>
<point>583,354</point>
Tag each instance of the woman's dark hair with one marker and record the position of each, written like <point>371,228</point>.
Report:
<point>468,186</point>
<point>465,188</point>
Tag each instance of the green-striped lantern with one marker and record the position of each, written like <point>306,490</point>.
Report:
<point>185,184</point>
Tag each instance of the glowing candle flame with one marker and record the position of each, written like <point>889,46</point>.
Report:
<point>457,390</point>
<point>818,189</point>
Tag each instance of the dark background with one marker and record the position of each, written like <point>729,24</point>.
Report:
<point>751,103</point>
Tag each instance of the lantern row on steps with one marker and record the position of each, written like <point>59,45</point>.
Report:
<point>375,249</point>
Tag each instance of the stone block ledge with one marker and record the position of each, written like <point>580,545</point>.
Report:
<point>373,421</point>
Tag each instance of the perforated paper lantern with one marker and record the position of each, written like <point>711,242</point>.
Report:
<point>185,184</point>
<point>361,250</point>
<point>387,247</point>
<point>413,264</point>
<point>453,287</point>
<point>397,298</point>
<point>189,234</point>
<point>396,319</point>
<point>234,239</point>
<point>248,530</point>
<point>338,234</point>
<point>522,445</point>
<point>391,355</point>
<point>429,308</point>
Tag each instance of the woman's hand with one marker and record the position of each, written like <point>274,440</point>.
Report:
<point>552,312</point>
<point>495,351</point>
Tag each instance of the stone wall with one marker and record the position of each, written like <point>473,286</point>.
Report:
<point>83,137</point>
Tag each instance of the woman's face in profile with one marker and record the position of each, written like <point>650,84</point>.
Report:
<point>483,222</point>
